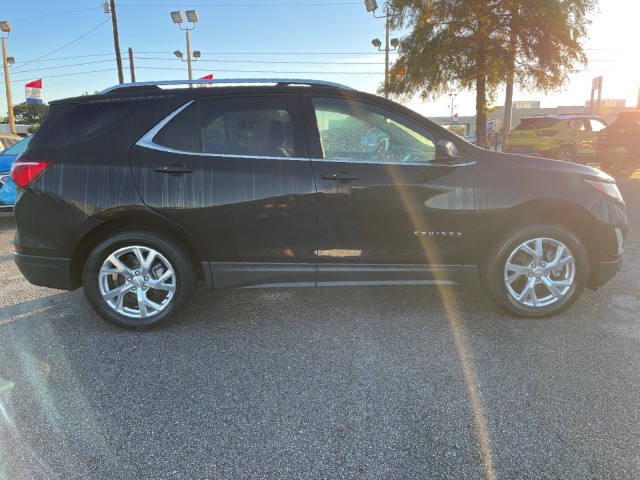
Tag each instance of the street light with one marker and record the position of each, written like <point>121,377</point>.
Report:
<point>192,18</point>
<point>452,96</point>
<point>5,27</point>
<point>372,6</point>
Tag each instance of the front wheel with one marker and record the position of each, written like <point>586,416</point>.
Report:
<point>536,271</point>
<point>137,280</point>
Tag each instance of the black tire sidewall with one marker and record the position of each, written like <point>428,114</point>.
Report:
<point>492,271</point>
<point>185,277</point>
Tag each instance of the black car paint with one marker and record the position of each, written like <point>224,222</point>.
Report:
<point>249,226</point>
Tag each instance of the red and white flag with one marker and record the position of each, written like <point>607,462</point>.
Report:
<point>33,91</point>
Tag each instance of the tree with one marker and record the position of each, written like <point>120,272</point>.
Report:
<point>459,130</point>
<point>542,43</point>
<point>30,113</point>
<point>478,44</point>
<point>452,45</point>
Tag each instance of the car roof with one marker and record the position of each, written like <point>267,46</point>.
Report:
<point>562,116</point>
<point>178,88</point>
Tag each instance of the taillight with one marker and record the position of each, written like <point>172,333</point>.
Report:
<point>25,172</point>
<point>546,133</point>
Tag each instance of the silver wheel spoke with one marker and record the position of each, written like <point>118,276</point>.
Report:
<point>117,292</point>
<point>160,285</point>
<point>148,262</point>
<point>518,271</point>
<point>528,294</point>
<point>119,266</point>
<point>552,286</point>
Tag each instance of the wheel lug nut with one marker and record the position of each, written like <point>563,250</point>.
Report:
<point>144,287</point>
<point>137,272</point>
<point>146,279</point>
<point>133,289</point>
<point>129,279</point>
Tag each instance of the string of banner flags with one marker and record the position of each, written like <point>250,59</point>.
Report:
<point>33,90</point>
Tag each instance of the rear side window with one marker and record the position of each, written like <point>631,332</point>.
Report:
<point>536,123</point>
<point>182,132</point>
<point>247,126</point>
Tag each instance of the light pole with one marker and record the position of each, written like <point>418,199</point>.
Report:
<point>452,96</point>
<point>196,55</point>
<point>192,18</point>
<point>372,6</point>
<point>5,28</point>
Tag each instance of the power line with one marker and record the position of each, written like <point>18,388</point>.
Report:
<point>299,62</point>
<point>53,15</point>
<point>66,45</point>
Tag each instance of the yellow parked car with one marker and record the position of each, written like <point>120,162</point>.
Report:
<point>569,137</point>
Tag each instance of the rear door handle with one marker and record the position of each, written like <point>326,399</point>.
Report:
<point>342,177</point>
<point>176,169</point>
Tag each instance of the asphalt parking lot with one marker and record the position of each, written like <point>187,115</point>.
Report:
<point>364,382</point>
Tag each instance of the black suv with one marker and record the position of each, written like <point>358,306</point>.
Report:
<point>619,143</point>
<point>137,193</point>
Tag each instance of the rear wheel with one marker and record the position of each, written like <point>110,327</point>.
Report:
<point>567,154</point>
<point>536,271</point>
<point>137,280</point>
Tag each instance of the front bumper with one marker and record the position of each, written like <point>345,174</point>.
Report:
<point>46,271</point>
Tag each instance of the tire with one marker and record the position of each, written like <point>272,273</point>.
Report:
<point>519,274</point>
<point>566,153</point>
<point>138,280</point>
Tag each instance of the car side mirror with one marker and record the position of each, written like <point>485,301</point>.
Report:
<point>446,151</point>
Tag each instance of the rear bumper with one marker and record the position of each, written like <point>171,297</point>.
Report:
<point>46,271</point>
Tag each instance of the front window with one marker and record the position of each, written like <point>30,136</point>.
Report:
<point>364,133</point>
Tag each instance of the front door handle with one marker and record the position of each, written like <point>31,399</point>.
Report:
<point>342,177</point>
<point>175,169</point>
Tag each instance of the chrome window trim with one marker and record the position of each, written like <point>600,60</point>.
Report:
<point>147,142</point>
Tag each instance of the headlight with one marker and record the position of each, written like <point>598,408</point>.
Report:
<point>610,189</point>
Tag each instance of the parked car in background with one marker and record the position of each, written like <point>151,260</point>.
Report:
<point>7,187</point>
<point>137,193</point>
<point>8,139</point>
<point>569,137</point>
<point>619,143</point>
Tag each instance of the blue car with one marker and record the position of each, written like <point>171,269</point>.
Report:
<point>7,188</point>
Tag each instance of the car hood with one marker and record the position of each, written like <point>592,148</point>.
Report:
<point>545,164</point>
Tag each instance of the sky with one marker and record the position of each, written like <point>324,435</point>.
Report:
<point>69,45</point>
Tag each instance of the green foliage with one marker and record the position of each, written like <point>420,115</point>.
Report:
<point>459,130</point>
<point>477,44</point>
<point>30,113</point>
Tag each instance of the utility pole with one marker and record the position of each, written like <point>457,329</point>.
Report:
<point>372,6</point>
<point>5,26</point>
<point>131,69</point>
<point>116,40</point>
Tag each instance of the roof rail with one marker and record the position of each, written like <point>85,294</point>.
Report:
<point>228,81</point>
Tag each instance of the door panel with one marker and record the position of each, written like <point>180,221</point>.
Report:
<point>244,189</point>
<point>391,204</point>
